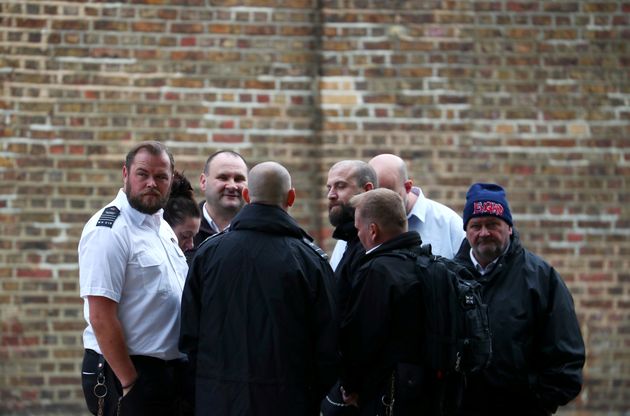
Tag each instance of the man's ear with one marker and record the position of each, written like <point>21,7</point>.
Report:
<point>368,186</point>
<point>291,197</point>
<point>374,232</point>
<point>246,195</point>
<point>125,174</point>
<point>202,182</point>
<point>408,185</point>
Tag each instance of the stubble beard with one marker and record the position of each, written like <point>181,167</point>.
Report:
<point>491,249</point>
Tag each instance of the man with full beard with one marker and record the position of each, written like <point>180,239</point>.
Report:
<point>345,180</point>
<point>132,274</point>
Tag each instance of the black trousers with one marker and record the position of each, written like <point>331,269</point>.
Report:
<point>161,387</point>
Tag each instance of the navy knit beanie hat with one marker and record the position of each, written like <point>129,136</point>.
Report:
<point>486,199</point>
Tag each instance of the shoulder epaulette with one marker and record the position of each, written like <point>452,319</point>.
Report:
<point>316,248</point>
<point>108,217</point>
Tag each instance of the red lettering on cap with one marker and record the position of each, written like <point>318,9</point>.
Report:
<point>487,208</point>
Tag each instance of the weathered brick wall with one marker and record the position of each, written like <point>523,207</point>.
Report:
<point>533,95</point>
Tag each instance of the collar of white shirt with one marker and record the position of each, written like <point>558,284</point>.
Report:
<point>208,218</point>
<point>485,270</point>
<point>372,249</point>
<point>419,209</point>
<point>137,217</point>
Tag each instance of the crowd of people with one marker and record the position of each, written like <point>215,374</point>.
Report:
<point>228,307</point>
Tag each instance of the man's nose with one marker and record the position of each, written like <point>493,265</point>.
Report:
<point>332,194</point>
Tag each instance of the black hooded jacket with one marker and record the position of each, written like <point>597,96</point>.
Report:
<point>382,329</point>
<point>258,318</point>
<point>538,351</point>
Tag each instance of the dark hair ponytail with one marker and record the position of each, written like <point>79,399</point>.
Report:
<point>181,203</point>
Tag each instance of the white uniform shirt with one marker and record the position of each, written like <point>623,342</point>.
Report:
<point>136,262</point>
<point>436,223</point>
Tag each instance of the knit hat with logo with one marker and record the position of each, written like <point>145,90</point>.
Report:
<point>486,199</point>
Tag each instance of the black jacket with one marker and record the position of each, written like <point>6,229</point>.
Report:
<point>258,318</point>
<point>205,230</point>
<point>538,351</point>
<point>345,271</point>
<point>382,329</point>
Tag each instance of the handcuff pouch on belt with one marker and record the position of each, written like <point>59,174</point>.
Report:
<point>100,389</point>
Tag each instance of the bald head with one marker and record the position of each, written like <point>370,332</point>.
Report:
<point>270,183</point>
<point>391,172</point>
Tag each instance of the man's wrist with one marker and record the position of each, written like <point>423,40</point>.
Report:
<point>130,384</point>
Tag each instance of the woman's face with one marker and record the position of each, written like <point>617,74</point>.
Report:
<point>186,231</point>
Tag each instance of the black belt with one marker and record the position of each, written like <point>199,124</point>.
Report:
<point>156,362</point>
<point>148,360</point>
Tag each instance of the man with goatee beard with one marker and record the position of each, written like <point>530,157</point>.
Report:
<point>132,274</point>
<point>537,347</point>
<point>345,180</point>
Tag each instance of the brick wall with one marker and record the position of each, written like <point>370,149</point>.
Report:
<point>534,95</point>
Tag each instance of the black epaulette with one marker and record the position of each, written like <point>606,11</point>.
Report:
<point>108,217</point>
<point>316,248</point>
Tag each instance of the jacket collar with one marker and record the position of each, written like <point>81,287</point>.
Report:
<point>267,218</point>
<point>345,231</point>
<point>409,240</point>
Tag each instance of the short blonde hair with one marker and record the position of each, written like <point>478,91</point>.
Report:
<point>383,207</point>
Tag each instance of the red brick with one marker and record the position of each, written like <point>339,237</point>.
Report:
<point>36,273</point>
<point>148,27</point>
<point>31,23</point>
<point>78,25</point>
<point>187,28</point>
<point>188,41</point>
<point>110,25</point>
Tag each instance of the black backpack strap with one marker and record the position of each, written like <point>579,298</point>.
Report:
<point>413,252</point>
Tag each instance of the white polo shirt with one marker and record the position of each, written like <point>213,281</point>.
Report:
<point>134,259</point>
